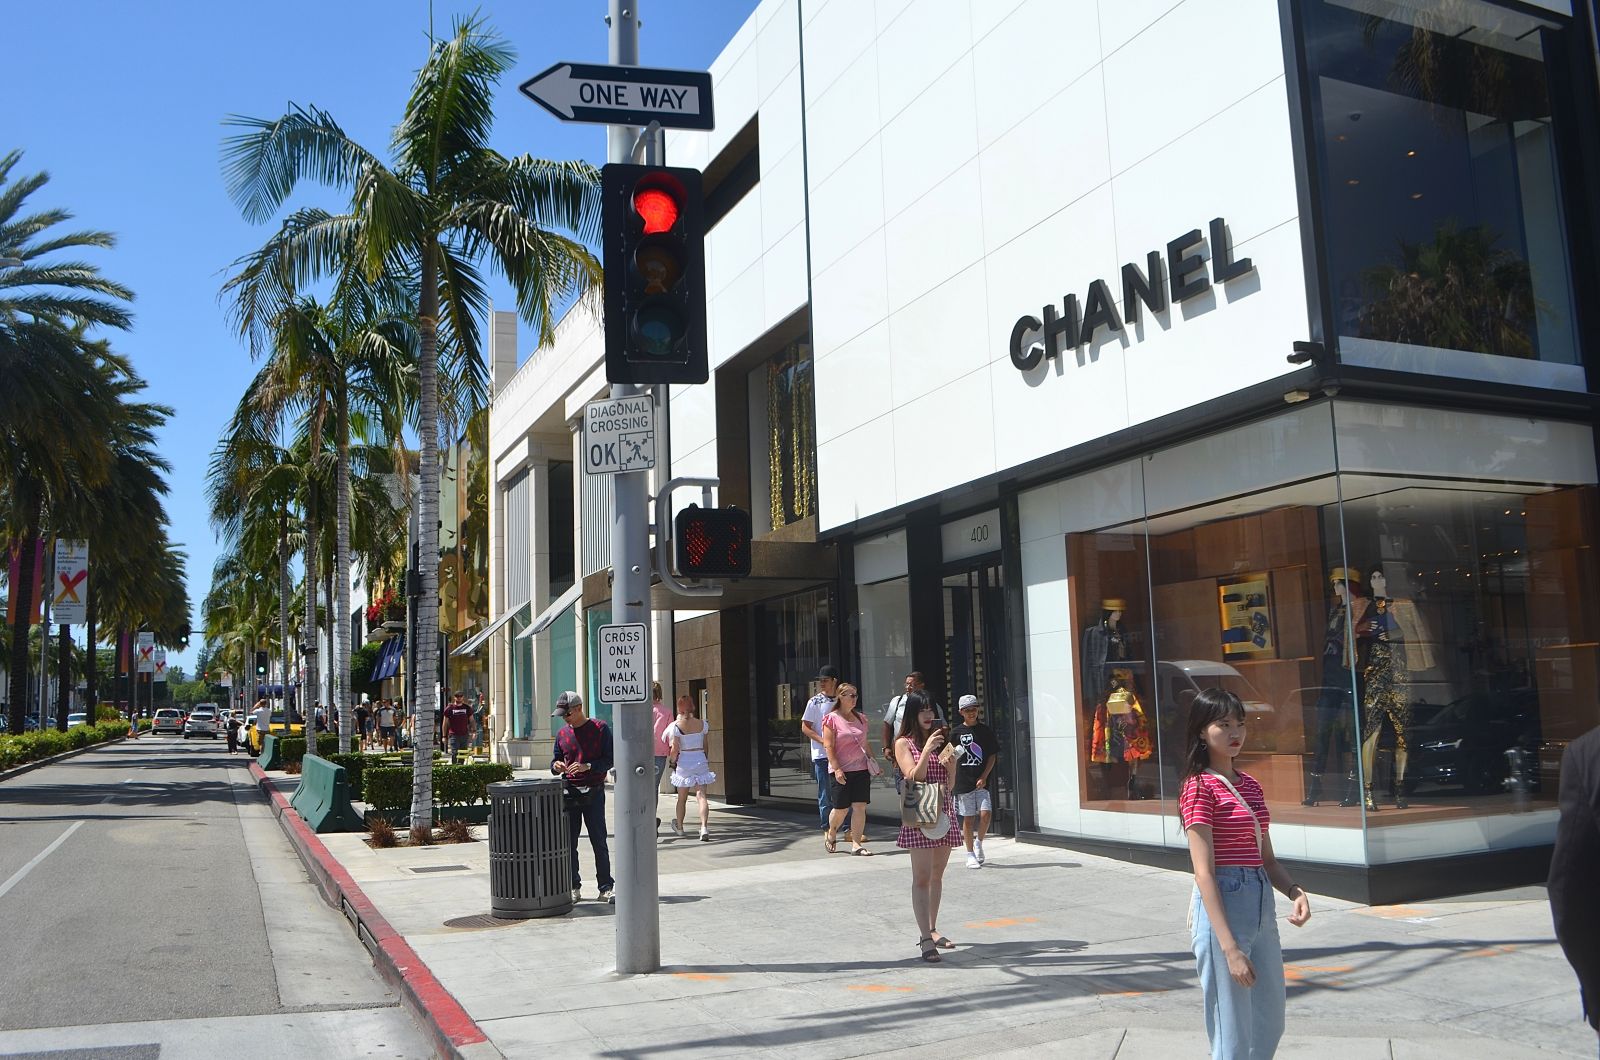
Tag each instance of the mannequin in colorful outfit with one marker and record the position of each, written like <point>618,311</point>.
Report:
<point>1332,717</point>
<point>1103,644</point>
<point>1387,690</point>
<point>1121,729</point>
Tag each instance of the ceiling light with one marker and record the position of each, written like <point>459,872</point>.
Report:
<point>1416,195</point>
<point>1411,153</point>
<point>1352,182</point>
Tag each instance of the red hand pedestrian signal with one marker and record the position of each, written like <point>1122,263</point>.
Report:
<point>712,542</point>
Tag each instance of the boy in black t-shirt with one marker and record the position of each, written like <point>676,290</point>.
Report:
<point>980,749</point>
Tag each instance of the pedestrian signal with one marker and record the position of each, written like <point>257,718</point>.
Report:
<point>712,542</point>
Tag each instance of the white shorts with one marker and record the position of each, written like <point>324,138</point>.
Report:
<point>972,803</point>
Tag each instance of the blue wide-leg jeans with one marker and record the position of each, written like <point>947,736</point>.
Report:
<point>1243,1022</point>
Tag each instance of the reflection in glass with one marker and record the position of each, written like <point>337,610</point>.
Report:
<point>791,642</point>
<point>1443,225</point>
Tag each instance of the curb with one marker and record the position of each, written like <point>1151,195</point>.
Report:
<point>38,763</point>
<point>454,1034</point>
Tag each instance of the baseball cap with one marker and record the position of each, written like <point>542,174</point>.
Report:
<point>967,701</point>
<point>828,670</point>
<point>565,701</point>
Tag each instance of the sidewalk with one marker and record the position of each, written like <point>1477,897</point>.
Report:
<point>772,947</point>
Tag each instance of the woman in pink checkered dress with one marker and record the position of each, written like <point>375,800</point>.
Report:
<point>916,751</point>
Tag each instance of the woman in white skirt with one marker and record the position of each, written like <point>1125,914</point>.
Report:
<point>686,737</point>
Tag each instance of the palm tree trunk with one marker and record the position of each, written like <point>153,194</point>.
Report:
<point>64,675</point>
<point>426,647</point>
<point>22,612</point>
<point>341,563</point>
<point>284,591</point>
<point>308,635</point>
<point>333,652</point>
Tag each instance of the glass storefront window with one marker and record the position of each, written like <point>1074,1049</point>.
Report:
<point>883,625</point>
<point>1435,131</point>
<point>1408,627</point>
<point>795,637</point>
<point>783,439</point>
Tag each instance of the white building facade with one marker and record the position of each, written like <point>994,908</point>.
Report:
<point>1002,298</point>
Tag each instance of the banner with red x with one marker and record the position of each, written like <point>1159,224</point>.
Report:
<point>69,604</point>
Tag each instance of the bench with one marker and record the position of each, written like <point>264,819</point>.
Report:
<point>323,798</point>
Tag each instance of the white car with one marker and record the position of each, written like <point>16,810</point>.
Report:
<point>77,717</point>
<point>203,722</point>
<point>167,719</point>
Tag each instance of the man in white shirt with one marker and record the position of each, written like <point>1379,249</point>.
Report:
<point>817,708</point>
<point>893,714</point>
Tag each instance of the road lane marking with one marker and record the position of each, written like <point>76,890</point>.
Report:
<point>16,877</point>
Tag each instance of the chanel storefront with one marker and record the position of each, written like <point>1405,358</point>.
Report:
<point>1269,377</point>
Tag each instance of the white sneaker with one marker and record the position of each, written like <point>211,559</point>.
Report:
<point>973,862</point>
<point>977,848</point>
<point>608,896</point>
<point>705,836</point>
<point>577,894</point>
<point>677,829</point>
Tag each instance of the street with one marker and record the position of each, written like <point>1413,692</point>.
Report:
<point>152,906</point>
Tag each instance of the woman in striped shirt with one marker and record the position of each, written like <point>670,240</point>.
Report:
<point>1235,932</point>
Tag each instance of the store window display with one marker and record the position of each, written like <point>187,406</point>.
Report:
<point>1333,721</point>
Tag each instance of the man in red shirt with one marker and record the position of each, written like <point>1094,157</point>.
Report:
<point>458,725</point>
<point>583,756</point>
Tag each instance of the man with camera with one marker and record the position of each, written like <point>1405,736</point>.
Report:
<point>583,757</point>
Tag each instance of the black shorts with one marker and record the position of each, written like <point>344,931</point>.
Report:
<point>857,787</point>
<point>386,731</point>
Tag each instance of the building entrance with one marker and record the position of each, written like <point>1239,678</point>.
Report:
<point>975,663</point>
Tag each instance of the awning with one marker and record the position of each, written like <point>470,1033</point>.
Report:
<point>476,640</point>
<point>553,612</point>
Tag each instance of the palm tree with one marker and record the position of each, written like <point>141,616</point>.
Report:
<point>448,202</point>
<point>54,398</point>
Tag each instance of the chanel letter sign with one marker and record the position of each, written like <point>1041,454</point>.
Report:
<point>1180,278</point>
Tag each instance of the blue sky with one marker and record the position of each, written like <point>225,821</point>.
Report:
<point>122,103</point>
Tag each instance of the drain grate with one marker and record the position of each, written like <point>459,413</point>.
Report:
<point>479,921</point>
<point>439,868</point>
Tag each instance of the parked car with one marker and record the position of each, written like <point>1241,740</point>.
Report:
<point>1180,681</point>
<point>1466,743</point>
<point>203,722</point>
<point>167,719</point>
<point>77,717</point>
<point>279,726</point>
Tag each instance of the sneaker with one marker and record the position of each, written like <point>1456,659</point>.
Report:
<point>705,836</point>
<point>977,848</point>
<point>677,829</point>
<point>973,862</point>
<point>577,894</point>
<point>608,896</point>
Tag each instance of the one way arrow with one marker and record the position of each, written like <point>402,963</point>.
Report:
<point>624,95</point>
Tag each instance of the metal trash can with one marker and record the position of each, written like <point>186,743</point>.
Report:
<point>530,859</point>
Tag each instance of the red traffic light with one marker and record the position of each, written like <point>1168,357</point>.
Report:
<point>712,542</point>
<point>657,208</point>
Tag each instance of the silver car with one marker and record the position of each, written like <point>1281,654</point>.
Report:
<point>201,723</point>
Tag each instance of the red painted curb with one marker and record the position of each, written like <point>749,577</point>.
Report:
<point>433,1005</point>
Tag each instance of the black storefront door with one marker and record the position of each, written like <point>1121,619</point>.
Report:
<point>975,662</point>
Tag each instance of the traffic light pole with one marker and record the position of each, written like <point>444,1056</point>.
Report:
<point>638,925</point>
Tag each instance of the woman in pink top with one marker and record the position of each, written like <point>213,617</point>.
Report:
<point>917,750</point>
<point>844,738</point>
<point>1235,933</point>
<point>662,718</point>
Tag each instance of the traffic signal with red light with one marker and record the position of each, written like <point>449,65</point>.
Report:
<point>712,542</point>
<point>653,250</point>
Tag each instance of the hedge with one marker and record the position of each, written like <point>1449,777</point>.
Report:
<point>389,787</point>
<point>293,748</point>
<point>31,746</point>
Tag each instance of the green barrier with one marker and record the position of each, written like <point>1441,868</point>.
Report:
<point>271,756</point>
<point>323,798</point>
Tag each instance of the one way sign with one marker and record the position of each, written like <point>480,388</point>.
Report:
<point>624,95</point>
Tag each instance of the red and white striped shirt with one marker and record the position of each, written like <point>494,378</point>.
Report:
<point>1206,800</point>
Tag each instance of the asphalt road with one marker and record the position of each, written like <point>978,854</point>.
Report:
<point>149,900</point>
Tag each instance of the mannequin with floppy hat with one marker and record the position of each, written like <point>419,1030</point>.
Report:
<point>1329,729</point>
<point>1103,645</point>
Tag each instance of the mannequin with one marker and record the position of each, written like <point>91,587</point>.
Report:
<point>1103,644</point>
<point>1121,729</point>
<point>1386,682</point>
<point>1333,716</point>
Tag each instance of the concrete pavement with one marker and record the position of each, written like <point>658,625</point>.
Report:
<point>771,946</point>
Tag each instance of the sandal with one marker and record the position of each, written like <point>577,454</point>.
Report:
<point>860,851</point>
<point>943,943</point>
<point>930,950</point>
<point>831,842</point>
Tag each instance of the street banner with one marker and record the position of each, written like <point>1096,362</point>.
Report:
<point>145,653</point>
<point>160,669</point>
<point>70,606</point>
<point>14,575</point>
